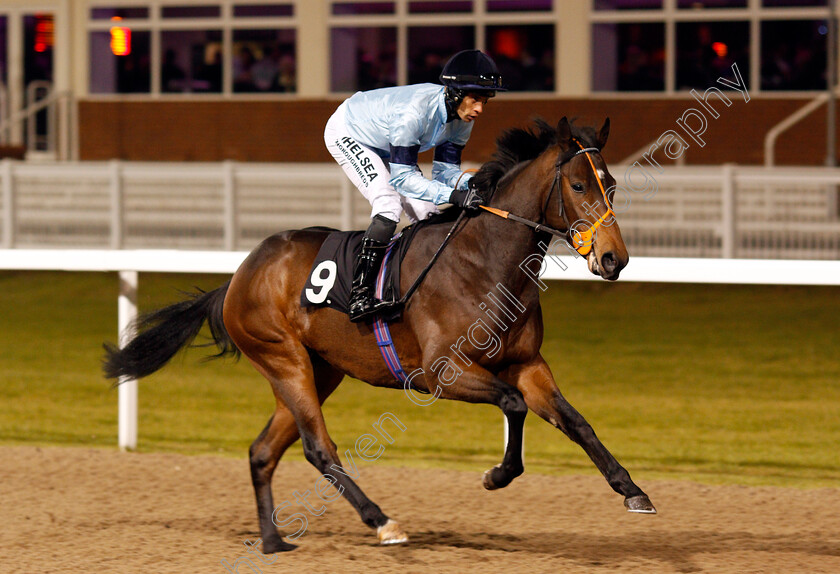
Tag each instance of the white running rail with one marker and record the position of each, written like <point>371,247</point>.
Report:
<point>130,263</point>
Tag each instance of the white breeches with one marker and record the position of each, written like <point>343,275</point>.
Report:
<point>370,174</point>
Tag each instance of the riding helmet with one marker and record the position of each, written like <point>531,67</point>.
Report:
<point>472,71</point>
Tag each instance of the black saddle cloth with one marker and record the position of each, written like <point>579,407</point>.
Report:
<point>331,275</point>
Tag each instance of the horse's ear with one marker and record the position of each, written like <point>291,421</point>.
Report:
<point>604,134</point>
<point>564,130</point>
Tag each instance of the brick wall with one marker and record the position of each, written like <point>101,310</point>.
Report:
<point>292,130</point>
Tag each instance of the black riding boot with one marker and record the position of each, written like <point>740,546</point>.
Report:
<point>362,302</point>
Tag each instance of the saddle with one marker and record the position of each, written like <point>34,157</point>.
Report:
<point>331,275</point>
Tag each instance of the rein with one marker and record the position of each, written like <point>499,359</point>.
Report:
<point>580,240</point>
<point>402,301</point>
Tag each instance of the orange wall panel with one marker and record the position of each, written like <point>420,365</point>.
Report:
<point>291,131</point>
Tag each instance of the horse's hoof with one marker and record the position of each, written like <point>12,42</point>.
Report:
<point>488,478</point>
<point>276,544</point>
<point>499,477</point>
<point>391,533</point>
<point>640,504</point>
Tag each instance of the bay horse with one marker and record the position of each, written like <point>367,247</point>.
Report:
<point>551,177</point>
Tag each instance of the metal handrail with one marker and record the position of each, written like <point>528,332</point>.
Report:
<point>787,123</point>
<point>64,96</point>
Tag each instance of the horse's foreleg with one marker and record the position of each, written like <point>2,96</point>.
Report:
<point>265,452</point>
<point>479,386</point>
<point>537,385</point>
<point>514,408</point>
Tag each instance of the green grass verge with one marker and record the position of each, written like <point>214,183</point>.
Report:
<point>720,384</point>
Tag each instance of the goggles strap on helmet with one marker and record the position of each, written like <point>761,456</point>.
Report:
<point>452,97</point>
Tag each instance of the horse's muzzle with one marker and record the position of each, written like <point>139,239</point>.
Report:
<point>608,265</point>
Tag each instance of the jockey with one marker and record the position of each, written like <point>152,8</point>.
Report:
<point>375,137</point>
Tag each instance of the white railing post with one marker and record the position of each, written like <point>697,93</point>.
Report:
<point>347,215</point>
<point>229,191</point>
<point>64,129</point>
<point>833,202</point>
<point>729,231</point>
<point>8,176</point>
<point>73,123</point>
<point>117,209</point>
<point>126,313</point>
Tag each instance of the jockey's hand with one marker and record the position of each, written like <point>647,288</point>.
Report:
<point>468,198</point>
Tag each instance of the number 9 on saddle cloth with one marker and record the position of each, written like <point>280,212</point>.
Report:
<point>331,276</point>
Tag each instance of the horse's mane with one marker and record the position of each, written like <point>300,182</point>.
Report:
<point>513,147</point>
<point>518,145</point>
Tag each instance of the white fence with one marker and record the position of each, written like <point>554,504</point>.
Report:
<point>169,205</point>
<point>715,211</point>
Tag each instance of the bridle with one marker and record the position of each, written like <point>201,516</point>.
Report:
<point>581,241</point>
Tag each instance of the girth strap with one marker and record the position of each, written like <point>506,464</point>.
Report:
<point>380,327</point>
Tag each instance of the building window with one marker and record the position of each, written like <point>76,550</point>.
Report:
<point>707,50</point>
<point>263,10</point>
<point>519,5</point>
<point>191,12</point>
<point>430,47</point>
<point>524,55</point>
<point>124,72</point>
<point>792,3</point>
<point>439,7</point>
<point>4,63</point>
<point>364,36</point>
<point>793,55</point>
<point>627,4</point>
<point>700,4</point>
<point>362,8</point>
<point>127,13</point>
<point>192,61</point>
<point>195,43</point>
<point>628,57</point>
<point>264,61</point>
<point>689,44</point>
<point>363,58</point>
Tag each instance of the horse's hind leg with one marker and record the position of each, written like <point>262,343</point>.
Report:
<point>265,452</point>
<point>544,398</point>
<point>287,366</point>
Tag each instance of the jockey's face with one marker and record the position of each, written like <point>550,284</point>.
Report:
<point>471,106</point>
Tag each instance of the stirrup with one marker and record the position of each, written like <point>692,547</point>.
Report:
<point>361,310</point>
<point>371,310</point>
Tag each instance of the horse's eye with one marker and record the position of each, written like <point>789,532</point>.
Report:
<point>578,187</point>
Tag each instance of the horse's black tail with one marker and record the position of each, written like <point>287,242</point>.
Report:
<point>162,333</point>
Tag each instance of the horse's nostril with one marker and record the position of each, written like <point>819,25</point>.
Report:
<point>608,262</point>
